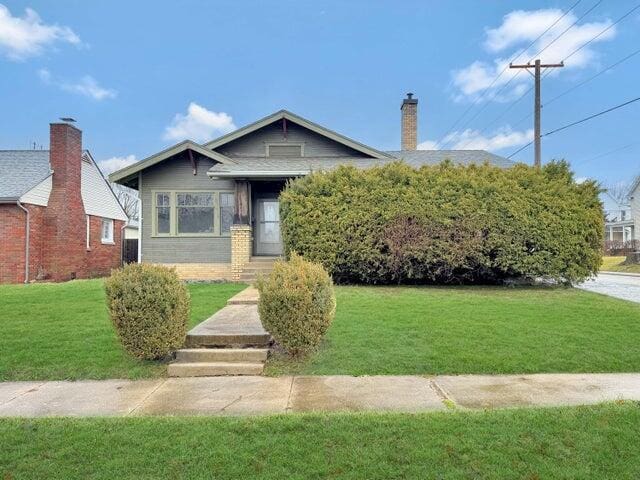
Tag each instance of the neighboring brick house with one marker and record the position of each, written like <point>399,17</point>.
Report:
<point>57,211</point>
<point>212,210</point>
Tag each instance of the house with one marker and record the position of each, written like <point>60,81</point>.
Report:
<point>212,209</point>
<point>59,219</point>
<point>634,209</point>
<point>619,223</point>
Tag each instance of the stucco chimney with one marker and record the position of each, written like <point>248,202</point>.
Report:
<point>409,123</point>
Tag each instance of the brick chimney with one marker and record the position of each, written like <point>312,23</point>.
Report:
<point>409,123</point>
<point>64,217</point>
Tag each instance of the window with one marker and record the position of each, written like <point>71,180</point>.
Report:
<point>284,150</point>
<point>227,210</point>
<point>163,214</point>
<point>195,212</point>
<point>208,214</point>
<point>107,230</point>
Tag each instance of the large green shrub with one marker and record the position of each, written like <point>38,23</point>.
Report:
<point>445,223</point>
<point>149,307</point>
<point>297,304</point>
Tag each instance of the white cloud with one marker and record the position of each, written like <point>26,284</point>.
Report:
<point>116,163</point>
<point>474,140</point>
<point>87,86</point>
<point>27,36</point>
<point>199,124</point>
<point>518,29</point>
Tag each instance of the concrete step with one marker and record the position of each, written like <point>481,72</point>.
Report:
<point>228,340</point>
<point>213,355</point>
<point>248,296</point>
<point>213,369</point>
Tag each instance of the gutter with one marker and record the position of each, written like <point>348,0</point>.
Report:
<point>26,247</point>
<point>260,173</point>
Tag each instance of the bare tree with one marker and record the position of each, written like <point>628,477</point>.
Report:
<point>619,191</point>
<point>128,198</point>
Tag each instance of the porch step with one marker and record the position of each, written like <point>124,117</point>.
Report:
<point>226,355</point>
<point>234,340</point>
<point>210,369</point>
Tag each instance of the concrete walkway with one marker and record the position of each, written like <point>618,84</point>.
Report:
<point>263,395</point>
<point>626,287</point>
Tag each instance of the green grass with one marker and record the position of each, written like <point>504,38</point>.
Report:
<point>62,331</point>
<point>402,330</point>
<point>614,264</point>
<point>579,442</point>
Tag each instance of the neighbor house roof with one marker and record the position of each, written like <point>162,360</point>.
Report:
<point>21,170</point>
<point>274,167</point>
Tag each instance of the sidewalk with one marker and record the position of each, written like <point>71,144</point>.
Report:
<point>626,287</point>
<point>264,395</point>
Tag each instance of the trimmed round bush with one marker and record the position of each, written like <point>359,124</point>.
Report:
<point>297,304</point>
<point>149,308</point>
<point>445,223</point>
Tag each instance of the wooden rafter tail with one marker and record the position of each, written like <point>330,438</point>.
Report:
<point>194,164</point>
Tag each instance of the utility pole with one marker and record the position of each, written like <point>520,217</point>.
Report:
<point>537,106</point>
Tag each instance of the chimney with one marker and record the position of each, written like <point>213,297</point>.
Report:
<point>409,123</point>
<point>64,217</point>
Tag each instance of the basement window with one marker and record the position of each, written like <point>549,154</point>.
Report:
<point>284,150</point>
<point>107,230</point>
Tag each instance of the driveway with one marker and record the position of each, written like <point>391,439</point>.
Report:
<point>626,287</point>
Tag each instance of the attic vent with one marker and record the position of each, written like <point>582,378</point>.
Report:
<point>287,150</point>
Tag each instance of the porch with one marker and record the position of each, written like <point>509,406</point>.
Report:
<point>256,240</point>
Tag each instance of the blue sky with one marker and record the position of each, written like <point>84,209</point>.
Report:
<point>140,76</point>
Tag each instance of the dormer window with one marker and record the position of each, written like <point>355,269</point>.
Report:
<point>285,150</point>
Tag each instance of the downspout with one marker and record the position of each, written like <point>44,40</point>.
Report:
<point>26,247</point>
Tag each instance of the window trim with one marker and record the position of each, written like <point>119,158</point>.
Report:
<point>284,144</point>
<point>173,214</point>
<point>107,241</point>
<point>89,232</point>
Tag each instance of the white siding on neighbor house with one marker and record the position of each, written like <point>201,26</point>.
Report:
<point>635,210</point>
<point>38,195</point>
<point>97,196</point>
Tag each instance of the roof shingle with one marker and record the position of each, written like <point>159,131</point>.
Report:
<point>21,170</point>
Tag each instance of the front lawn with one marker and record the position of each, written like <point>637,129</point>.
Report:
<point>62,331</point>
<point>580,442</point>
<point>457,330</point>
<point>614,264</point>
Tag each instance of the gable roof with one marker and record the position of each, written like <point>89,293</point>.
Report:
<point>292,117</point>
<point>418,158</point>
<point>21,170</point>
<point>292,167</point>
<point>131,170</point>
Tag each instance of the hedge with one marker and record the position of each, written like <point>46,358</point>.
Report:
<point>149,308</point>
<point>297,304</point>
<point>445,223</point>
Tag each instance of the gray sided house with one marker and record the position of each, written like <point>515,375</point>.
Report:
<point>212,209</point>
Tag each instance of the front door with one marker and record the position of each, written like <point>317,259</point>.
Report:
<point>267,235</point>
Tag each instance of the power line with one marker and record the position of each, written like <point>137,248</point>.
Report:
<point>592,77</point>
<point>520,149</point>
<point>601,33</point>
<point>572,124</point>
<point>591,116</point>
<point>486,89</point>
<point>615,150</point>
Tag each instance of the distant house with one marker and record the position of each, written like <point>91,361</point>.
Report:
<point>634,207</point>
<point>619,224</point>
<point>59,219</point>
<point>213,209</point>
